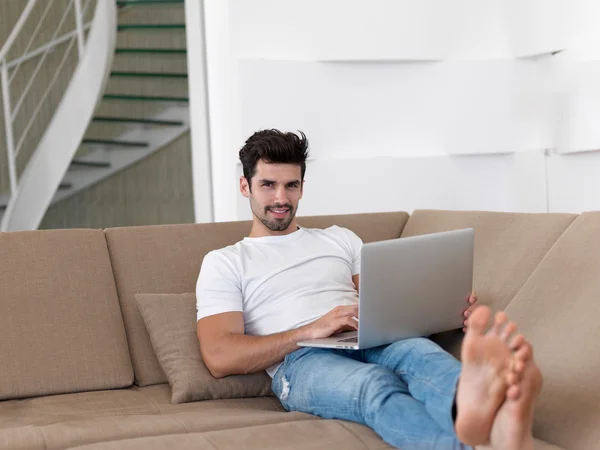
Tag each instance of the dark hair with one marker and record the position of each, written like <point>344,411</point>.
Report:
<point>274,146</point>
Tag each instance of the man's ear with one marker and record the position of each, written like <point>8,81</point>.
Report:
<point>244,187</point>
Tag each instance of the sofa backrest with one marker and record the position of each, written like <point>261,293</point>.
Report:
<point>508,247</point>
<point>558,310</point>
<point>61,328</point>
<point>167,259</point>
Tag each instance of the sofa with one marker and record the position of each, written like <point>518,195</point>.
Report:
<point>79,370</point>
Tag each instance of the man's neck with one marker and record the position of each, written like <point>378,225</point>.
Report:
<point>260,230</point>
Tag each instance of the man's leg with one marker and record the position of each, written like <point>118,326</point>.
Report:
<point>332,384</point>
<point>430,373</point>
<point>477,388</point>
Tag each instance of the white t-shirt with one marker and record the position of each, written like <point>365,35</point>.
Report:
<point>281,282</point>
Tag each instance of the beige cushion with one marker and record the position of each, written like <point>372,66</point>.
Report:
<point>61,421</point>
<point>167,258</point>
<point>508,247</point>
<point>369,227</point>
<point>558,310</point>
<point>160,396</point>
<point>313,435</point>
<point>42,411</point>
<point>171,322</point>
<point>543,445</point>
<point>25,438</point>
<point>61,328</point>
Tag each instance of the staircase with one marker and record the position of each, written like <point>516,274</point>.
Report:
<point>145,104</point>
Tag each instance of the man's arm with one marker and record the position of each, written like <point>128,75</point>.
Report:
<point>226,350</point>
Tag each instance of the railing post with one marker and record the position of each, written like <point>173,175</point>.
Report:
<point>79,22</point>
<point>10,143</point>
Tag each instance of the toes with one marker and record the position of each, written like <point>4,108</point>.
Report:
<point>512,378</point>
<point>516,342</point>
<point>513,392</point>
<point>509,329</point>
<point>519,366</point>
<point>479,319</point>
<point>499,321</point>
<point>523,353</point>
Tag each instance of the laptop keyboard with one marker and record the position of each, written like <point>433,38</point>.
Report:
<point>352,339</point>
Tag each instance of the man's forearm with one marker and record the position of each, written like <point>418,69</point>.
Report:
<point>241,353</point>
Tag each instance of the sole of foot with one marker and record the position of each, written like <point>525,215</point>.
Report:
<point>492,363</point>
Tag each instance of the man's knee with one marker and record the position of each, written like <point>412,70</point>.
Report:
<point>377,384</point>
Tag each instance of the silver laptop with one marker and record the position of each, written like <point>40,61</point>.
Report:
<point>409,287</point>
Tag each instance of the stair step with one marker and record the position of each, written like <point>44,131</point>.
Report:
<point>145,98</point>
<point>175,123</point>
<point>145,2</point>
<point>77,162</point>
<point>181,51</point>
<point>116,142</point>
<point>149,74</point>
<point>151,26</point>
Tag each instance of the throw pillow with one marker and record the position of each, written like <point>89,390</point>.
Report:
<point>171,323</point>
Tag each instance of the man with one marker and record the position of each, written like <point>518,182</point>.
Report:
<point>284,284</point>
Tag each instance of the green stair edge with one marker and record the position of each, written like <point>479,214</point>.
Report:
<point>115,142</point>
<point>148,74</point>
<point>144,98</point>
<point>178,51</point>
<point>90,163</point>
<point>145,2</point>
<point>134,120</point>
<point>151,26</point>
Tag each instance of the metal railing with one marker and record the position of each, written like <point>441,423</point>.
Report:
<point>9,70</point>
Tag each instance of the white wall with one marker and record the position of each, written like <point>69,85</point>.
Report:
<point>429,104</point>
<point>200,129</point>
<point>489,182</point>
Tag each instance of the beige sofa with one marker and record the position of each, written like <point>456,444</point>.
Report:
<point>78,370</point>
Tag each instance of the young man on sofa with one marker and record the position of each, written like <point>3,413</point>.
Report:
<point>284,284</point>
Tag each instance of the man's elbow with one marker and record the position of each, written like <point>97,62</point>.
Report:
<point>215,365</point>
<point>217,373</point>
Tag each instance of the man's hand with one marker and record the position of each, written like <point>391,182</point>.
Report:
<point>337,320</point>
<point>472,300</point>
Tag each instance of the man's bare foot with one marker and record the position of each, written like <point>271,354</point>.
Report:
<point>512,427</point>
<point>491,364</point>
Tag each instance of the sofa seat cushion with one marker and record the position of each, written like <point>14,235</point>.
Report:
<point>63,421</point>
<point>52,409</point>
<point>145,417</point>
<point>314,435</point>
<point>300,435</point>
<point>152,433</point>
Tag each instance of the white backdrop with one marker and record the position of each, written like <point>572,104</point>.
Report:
<point>469,104</point>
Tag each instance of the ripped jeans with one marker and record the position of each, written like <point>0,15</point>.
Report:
<point>404,391</point>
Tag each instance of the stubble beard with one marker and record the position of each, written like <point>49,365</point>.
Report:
<point>275,225</point>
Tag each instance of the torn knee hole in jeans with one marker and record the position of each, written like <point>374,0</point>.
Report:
<point>285,388</point>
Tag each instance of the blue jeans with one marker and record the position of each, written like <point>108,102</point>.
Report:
<point>404,391</point>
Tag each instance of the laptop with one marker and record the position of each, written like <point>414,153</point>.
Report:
<point>409,287</point>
